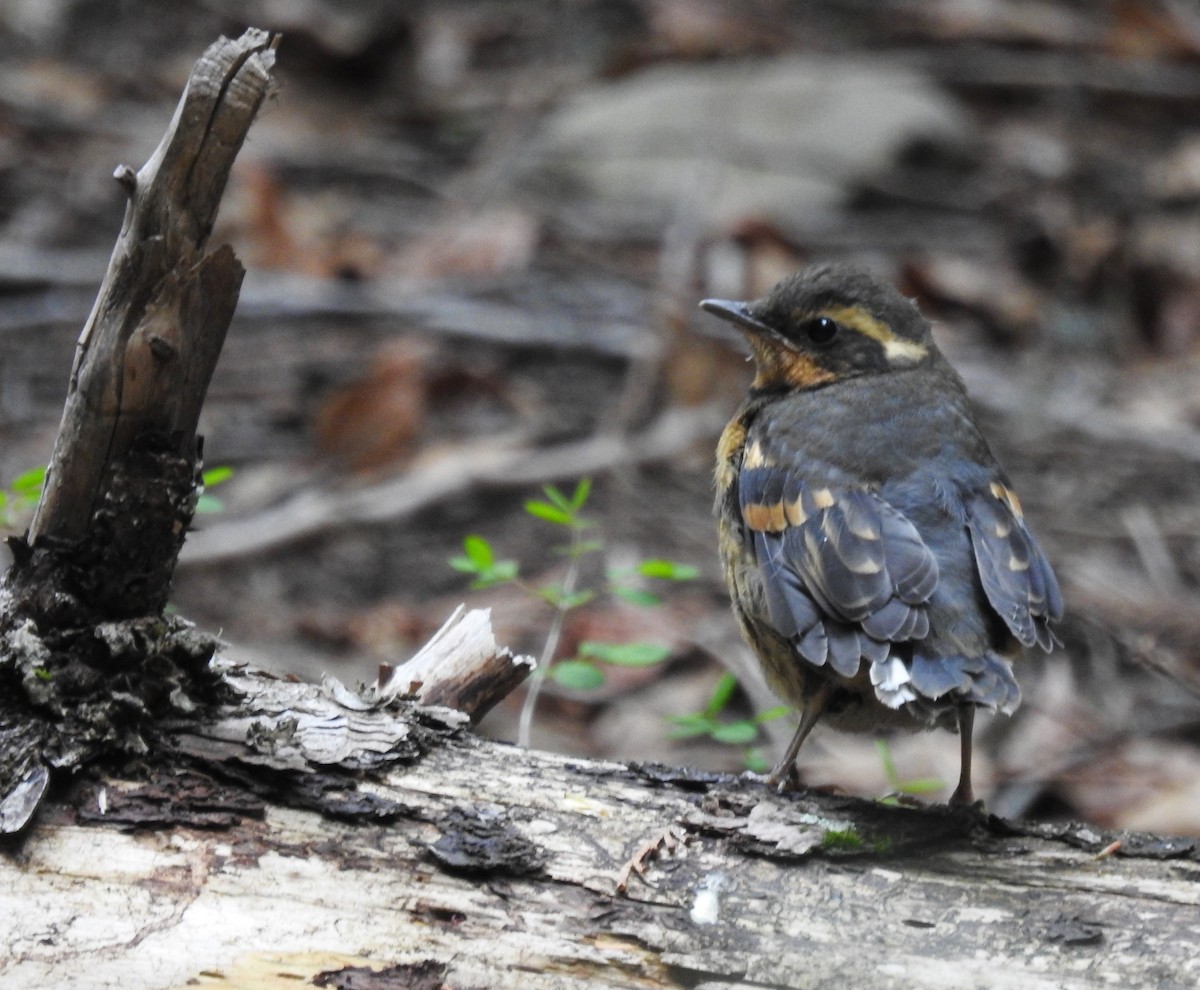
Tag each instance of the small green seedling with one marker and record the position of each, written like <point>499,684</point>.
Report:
<point>21,497</point>
<point>585,670</point>
<point>896,786</point>
<point>733,732</point>
<point>207,504</point>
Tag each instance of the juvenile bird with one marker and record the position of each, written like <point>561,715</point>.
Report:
<point>878,559</point>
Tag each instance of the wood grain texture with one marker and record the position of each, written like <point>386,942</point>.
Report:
<point>148,349</point>
<point>499,868</point>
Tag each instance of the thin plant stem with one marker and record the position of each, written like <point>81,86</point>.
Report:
<point>525,725</point>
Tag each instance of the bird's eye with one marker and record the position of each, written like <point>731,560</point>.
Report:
<point>821,330</point>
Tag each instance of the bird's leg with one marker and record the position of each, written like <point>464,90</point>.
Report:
<point>812,712</point>
<point>963,794</point>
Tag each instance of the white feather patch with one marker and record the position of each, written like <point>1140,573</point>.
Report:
<point>892,683</point>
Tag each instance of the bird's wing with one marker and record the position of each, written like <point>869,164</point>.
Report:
<point>845,573</point>
<point>1016,577</point>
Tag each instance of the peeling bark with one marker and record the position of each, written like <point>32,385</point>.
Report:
<point>461,667</point>
<point>264,855</point>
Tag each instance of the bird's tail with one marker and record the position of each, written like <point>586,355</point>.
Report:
<point>986,681</point>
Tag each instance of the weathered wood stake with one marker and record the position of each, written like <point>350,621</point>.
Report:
<point>88,664</point>
<point>149,347</point>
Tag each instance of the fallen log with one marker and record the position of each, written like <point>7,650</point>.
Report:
<point>301,837</point>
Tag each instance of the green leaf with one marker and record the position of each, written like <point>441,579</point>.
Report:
<point>779,711</point>
<point>500,572</point>
<point>722,692</point>
<point>548,512</point>
<point>582,491</point>
<point>739,733</point>
<point>479,559</point>
<point>208,505</point>
<point>625,654</point>
<point>216,476</point>
<point>691,725</point>
<point>479,552</point>
<point>558,498</point>
<point>29,482</point>
<point>636,596</point>
<point>667,570</point>
<point>578,675</point>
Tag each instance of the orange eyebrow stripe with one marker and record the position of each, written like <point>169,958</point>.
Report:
<point>899,350</point>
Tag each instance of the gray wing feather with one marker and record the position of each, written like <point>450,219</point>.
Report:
<point>845,574</point>
<point>1017,579</point>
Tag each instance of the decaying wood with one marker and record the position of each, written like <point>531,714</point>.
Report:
<point>267,858</point>
<point>120,489</point>
<point>148,349</point>
<point>88,665</point>
<point>461,667</point>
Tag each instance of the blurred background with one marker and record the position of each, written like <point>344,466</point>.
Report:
<point>476,233</point>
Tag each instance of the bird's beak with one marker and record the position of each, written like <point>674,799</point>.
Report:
<point>737,313</point>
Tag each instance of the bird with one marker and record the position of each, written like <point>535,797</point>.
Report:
<point>879,562</point>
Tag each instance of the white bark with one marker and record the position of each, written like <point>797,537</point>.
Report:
<point>499,868</point>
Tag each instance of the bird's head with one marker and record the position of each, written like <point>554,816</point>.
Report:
<point>827,323</point>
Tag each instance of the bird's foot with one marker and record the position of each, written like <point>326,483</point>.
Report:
<point>964,797</point>
<point>785,777</point>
